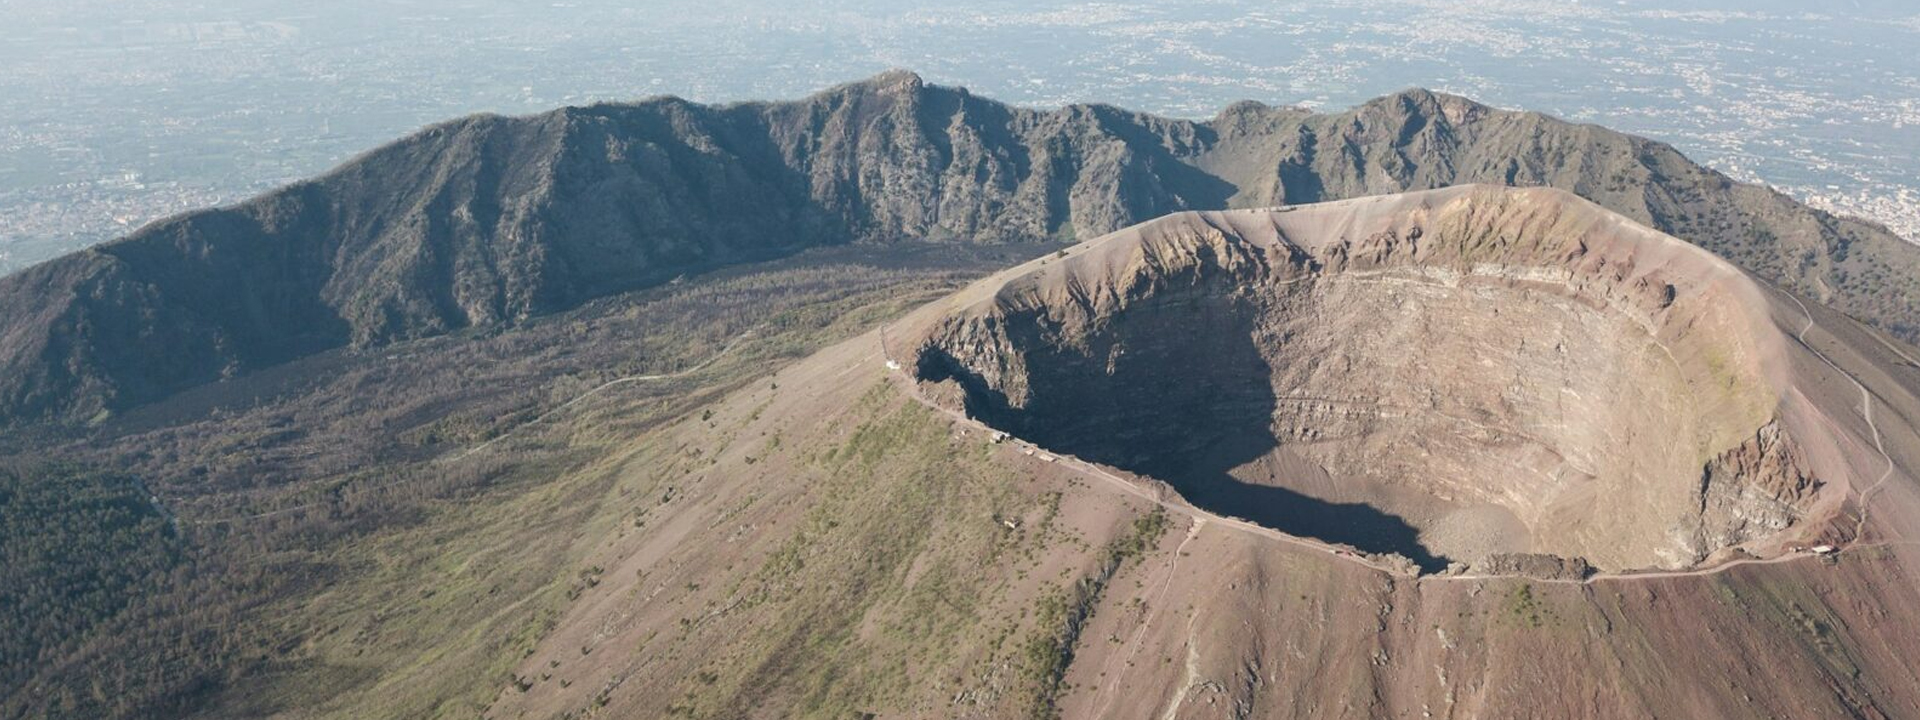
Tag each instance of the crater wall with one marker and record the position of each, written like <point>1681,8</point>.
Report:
<point>1451,376</point>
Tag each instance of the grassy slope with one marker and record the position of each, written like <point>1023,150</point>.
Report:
<point>433,616</point>
<point>340,563</point>
<point>813,550</point>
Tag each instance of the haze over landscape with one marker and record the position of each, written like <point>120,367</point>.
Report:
<point>130,111</point>
<point>1357,360</point>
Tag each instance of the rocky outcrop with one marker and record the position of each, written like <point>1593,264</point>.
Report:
<point>1533,565</point>
<point>1752,491</point>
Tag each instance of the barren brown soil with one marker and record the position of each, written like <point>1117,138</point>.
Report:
<point>854,539</point>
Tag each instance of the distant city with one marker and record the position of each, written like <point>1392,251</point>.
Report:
<point>121,112</point>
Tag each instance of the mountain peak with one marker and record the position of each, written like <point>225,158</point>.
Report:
<point>895,83</point>
<point>1429,103</point>
<point>896,80</point>
<point>1243,107</point>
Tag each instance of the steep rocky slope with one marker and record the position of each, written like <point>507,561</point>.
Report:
<point>489,219</point>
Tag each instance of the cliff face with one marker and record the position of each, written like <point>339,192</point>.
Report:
<point>1752,491</point>
<point>489,219</point>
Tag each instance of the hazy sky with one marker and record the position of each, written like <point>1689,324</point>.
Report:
<point>120,111</point>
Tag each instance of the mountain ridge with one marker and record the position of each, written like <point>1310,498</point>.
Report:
<point>490,219</point>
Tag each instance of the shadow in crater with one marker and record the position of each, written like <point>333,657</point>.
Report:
<point>1205,479</point>
<point>1178,389</point>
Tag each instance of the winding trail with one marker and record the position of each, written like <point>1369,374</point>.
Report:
<point>1191,676</point>
<point>1866,411</point>
<point>1153,610</point>
<point>596,390</point>
<point>603,387</point>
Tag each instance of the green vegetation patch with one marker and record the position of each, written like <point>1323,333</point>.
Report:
<point>1061,615</point>
<point>881,583</point>
<point>1523,608</point>
<point>77,548</point>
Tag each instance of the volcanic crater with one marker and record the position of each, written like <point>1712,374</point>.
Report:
<point>1472,375</point>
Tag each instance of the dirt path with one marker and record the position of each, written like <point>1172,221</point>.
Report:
<point>1866,411</point>
<point>603,387</point>
<point>1190,676</point>
<point>1153,610</point>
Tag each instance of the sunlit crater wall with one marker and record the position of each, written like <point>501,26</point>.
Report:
<point>1477,374</point>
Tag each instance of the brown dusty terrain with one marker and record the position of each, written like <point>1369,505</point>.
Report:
<point>1449,375</point>
<point>1465,374</point>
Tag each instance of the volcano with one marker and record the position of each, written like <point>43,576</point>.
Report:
<point>1455,376</point>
